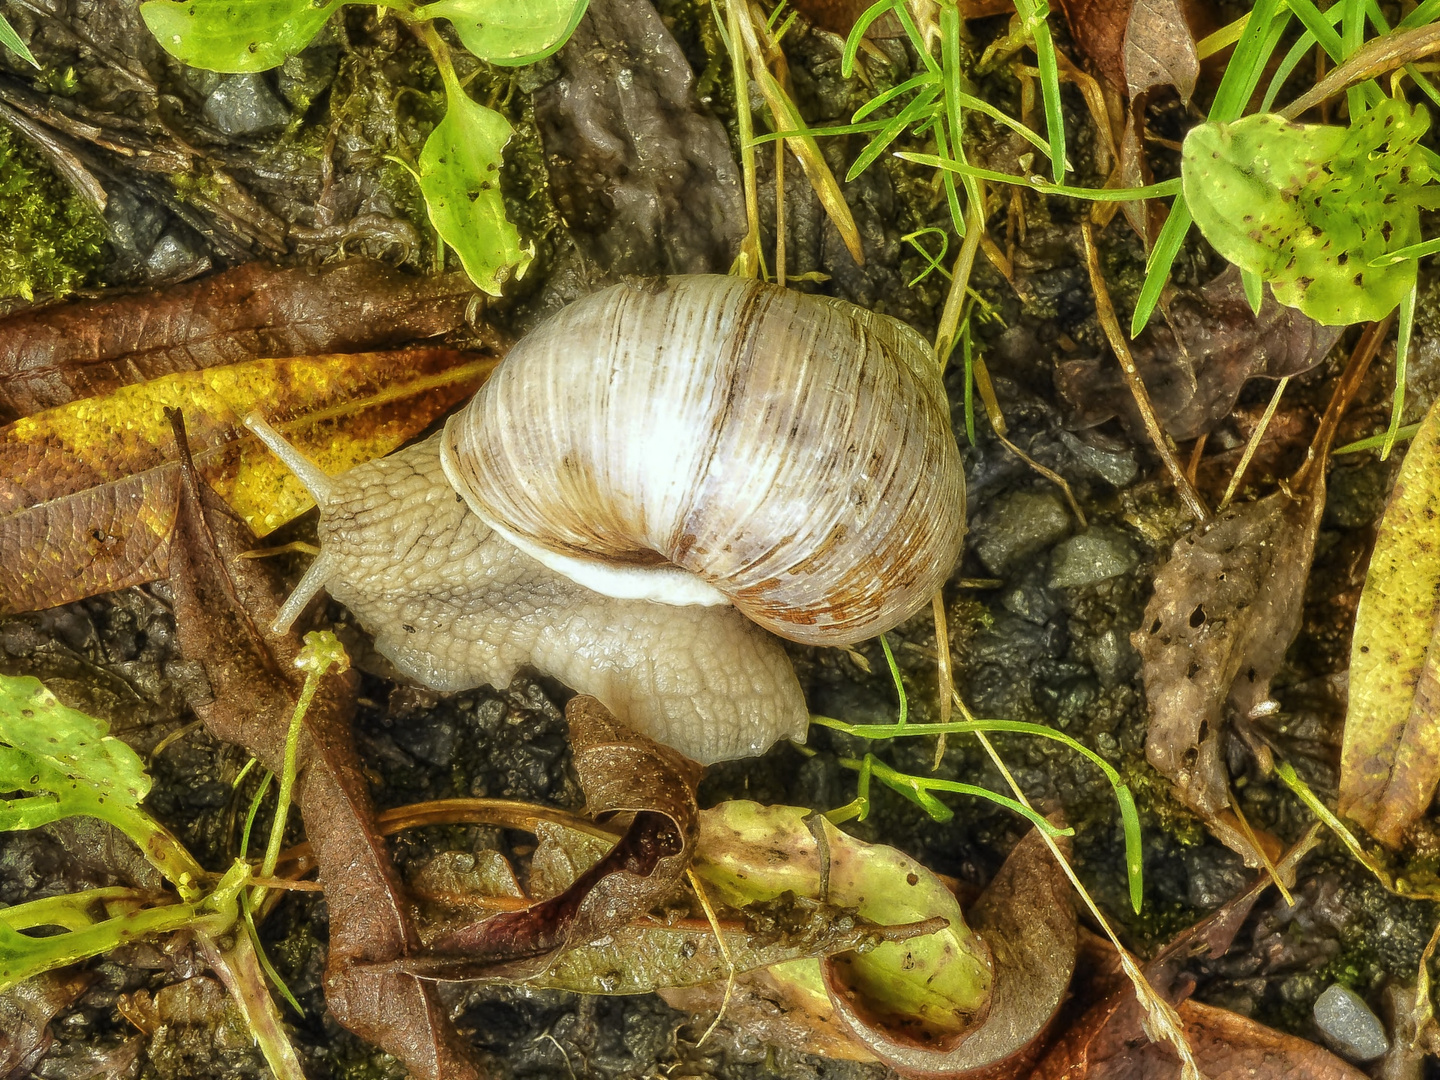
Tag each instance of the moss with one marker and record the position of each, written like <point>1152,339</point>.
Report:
<point>50,240</point>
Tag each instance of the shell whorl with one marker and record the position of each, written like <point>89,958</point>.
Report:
<point>713,438</point>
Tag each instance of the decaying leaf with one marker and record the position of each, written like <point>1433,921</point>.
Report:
<point>1227,604</point>
<point>1391,757</point>
<point>619,771</point>
<point>1136,45</point>
<point>89,490</point>
<point>222,607</point>
<point>25,1012</point>
<point>1109,1041</point>
<point>1195,378</point>
<point>53,355</point>
<point>1026,918</point>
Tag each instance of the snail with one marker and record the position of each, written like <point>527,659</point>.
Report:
<point>653,482</point>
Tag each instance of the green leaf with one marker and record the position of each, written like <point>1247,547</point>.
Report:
<point>748,852</point>
<point>74,767</point>
<point>235,35</point>
<point>508,33</point>
<point>1308,208</point>
<point>11,40</point>
<point>1390,760</point>
<point>460,179</point>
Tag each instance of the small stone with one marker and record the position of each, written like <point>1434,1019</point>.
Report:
<point>1017,526</point>
<point>245,105</point>
<point>1349,1026</point>
<point>1029,598</point>
<point>1118,468</point>
<point>1092,556</point>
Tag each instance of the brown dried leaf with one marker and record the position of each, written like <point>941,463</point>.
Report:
<point>1195,381</point>
<point>1159,50</point>
<point>619,770</point>
<point>53,355</point>
<point>25,1013</point>
<point>1109,1041</point>
<point>1226,606</point>
<point>222,605</point>
<point>1027,919</point>
<point>1136,45</point>
<point>89,490</point>
<point>775,1011</point>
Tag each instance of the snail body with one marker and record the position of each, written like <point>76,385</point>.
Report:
<point>650,477</point>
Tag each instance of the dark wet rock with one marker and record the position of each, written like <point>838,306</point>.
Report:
<point>174,258</point>
<point>1112,656</point>
<point>1356,491</point>
<point>1114,466</point>
<point>1096,555</point>
<point>1349,1025</point>
<point>1029,597</point>
<point>642,176</point>
<point>245,105</point>
<point>1017,526</point>
<point>307,75</point>
<point>1215,874</point>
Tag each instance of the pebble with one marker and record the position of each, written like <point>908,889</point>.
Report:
<point>1017,526</point>
<point>1349,1025</point>
<point>245,105</point>
<point>1092,556</point>
<point>1118,468</point>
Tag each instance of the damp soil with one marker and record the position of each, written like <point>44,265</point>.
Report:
<point>1039,624</point>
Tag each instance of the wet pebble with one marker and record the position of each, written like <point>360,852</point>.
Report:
<point>1118,468</point>
<point>245,105</point>
<point>1349,1025</point>
<point>1017,526</point>
<point>1091,556</point>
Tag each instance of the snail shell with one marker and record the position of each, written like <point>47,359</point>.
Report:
<point>716,439</point>
<point>702,442</point>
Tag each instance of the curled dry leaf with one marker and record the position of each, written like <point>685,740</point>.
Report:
<point>223,606</point>
<point>749,853</point>
<point>89,490</point>
<point>1226,606</point>
<point>1195,378</point>
<point>53,355</point>
<point>1026,918</point>
<point>619,770</point>
<point>1109,1041</point>
<point>1391,757</point>
<point>647,953</point>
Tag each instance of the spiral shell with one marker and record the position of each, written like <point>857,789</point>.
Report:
<point>714,439</point>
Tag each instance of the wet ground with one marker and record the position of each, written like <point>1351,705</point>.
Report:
<point>1039,613</point>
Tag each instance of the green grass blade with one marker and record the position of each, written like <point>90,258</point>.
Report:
<point>1374,442</point>
<point>1149,191</point>
<point>11,40</point>
<point>881,100</point>
<point>857,33</point>
<point>1157,268</point>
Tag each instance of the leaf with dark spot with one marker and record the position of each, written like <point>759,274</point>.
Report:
<point>222,606</point>
<point>1391,758</point>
